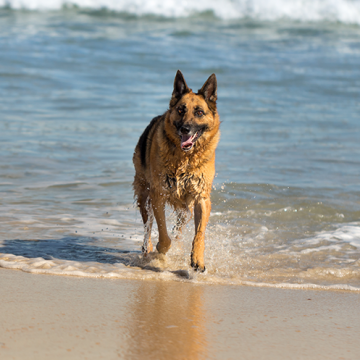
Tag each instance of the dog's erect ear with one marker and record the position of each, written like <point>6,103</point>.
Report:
<point>180,86</point>
<point>209,89</point>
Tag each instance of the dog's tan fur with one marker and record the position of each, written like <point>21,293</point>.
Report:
<point>166,173</point>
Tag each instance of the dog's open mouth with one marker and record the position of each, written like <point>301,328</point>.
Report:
<point>188,141</point>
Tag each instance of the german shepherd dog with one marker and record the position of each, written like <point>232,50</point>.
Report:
<point>175,164</point>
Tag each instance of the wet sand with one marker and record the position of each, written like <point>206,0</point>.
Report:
<point>61,317</point>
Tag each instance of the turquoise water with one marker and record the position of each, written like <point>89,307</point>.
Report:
<point>77,88</point>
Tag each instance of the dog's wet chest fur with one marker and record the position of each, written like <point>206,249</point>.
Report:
<point>182,182</point>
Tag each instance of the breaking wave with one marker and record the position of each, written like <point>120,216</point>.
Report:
<point>344,11</point>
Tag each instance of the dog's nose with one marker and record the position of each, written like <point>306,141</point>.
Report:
<point>185,130</point>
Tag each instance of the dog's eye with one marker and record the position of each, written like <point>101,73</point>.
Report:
<point>199,113</point>
<point>181,111</point>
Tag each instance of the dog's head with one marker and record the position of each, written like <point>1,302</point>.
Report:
<point>193,118</point>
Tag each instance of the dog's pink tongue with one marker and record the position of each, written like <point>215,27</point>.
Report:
<point>186,140</point>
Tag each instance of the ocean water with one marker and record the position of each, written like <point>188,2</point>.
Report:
<point>80,80</point>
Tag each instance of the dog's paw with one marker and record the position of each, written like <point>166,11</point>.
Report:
<point>145,253</point>
<point>163,246</point>
<point>197,261</point>
<point>146,249</point>
<point>197,266</point>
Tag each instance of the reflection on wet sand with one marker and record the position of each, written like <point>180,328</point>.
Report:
<point>163,324</point>
<point>58,317</point>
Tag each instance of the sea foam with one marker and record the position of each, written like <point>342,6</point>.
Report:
<point>344,11</point>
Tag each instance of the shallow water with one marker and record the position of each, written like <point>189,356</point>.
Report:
<point>78,86</point>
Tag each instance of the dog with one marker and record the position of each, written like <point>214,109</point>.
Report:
<point>174,162</point>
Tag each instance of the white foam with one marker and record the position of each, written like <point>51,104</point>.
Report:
<point>88,270</point>
<point>349,233</point>
<point>345,11</point>
<point>120,271</point>
<point>307,286</point>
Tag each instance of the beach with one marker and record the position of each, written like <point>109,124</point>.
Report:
<point>60,317</point>
<point>80,81</point>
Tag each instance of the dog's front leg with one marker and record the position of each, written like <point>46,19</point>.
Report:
<point>202,213</point>
<point>158,204</point>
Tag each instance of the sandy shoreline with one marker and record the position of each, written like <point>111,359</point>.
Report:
<point>46,316</point>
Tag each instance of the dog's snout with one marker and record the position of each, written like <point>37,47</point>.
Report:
<point>185,130</point>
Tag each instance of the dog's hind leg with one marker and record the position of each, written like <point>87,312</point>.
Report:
<point>148,218</point>
<point>182,217</point>
<point>202,213</point>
